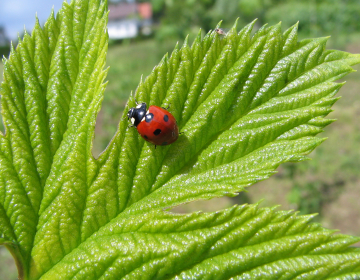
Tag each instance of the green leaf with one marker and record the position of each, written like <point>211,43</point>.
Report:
<point>243,241</point>
<point>244,104</point>
<point>52,89</point>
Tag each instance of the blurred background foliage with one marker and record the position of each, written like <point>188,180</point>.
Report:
<point>338,18</point>
<point>329,183</point>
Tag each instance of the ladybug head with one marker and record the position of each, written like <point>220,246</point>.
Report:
<point>137,114</point>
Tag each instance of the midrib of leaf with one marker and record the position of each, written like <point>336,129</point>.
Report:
<point>35,81</point>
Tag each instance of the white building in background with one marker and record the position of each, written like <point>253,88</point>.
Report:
<point>128,19</point>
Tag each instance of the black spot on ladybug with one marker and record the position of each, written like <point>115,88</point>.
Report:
<point>164,144</point>
<point>149,117</point>
<point>166,118</point>
<point>157,131</point>
<point>145,137</point>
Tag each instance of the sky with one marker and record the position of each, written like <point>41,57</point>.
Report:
<point>15,14</point>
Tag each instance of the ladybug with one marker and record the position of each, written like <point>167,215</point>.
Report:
<point>155,125</point>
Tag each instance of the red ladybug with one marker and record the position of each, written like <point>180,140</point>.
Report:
<point>156,125</point>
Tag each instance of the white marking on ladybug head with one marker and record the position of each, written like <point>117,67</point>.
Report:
<point>138,106</point>
<point>132,120</point>
<point>143,119</point>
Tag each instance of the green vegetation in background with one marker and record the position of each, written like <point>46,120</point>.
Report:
<point>4,51</point>
<point>338,18</point>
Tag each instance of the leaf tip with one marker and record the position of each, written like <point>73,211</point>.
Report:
<point>164,59</point>
<point>277,26</point>
<point>253,22</point>
<point>198,37</point>
<point>235,25</point>
<point>218,25</point>
<point>186,41</point>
